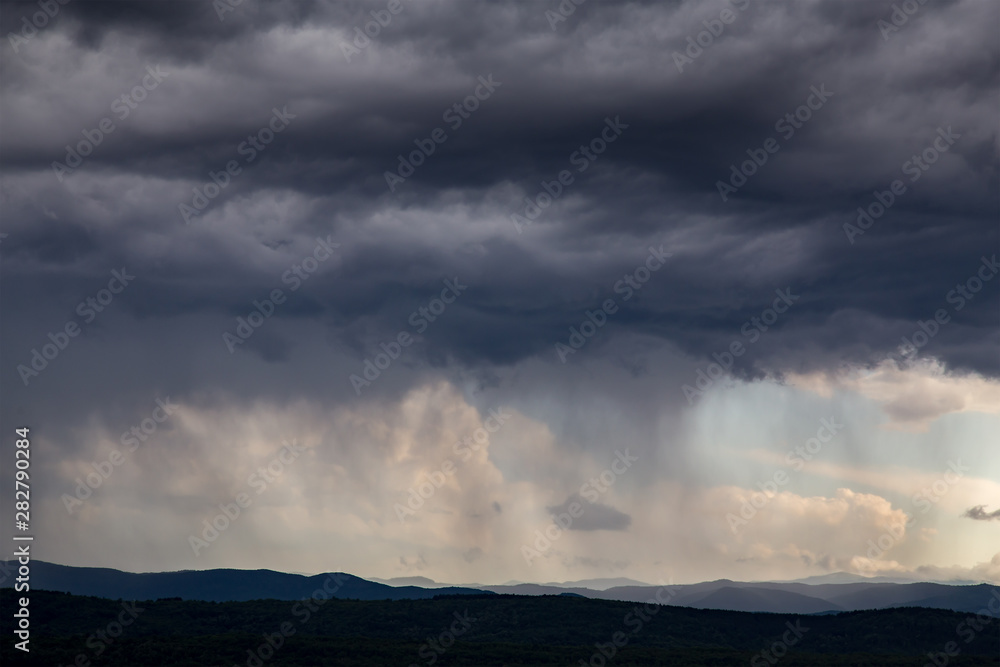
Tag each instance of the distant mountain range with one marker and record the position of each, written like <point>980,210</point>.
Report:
<point>217,585</point>
<point>847,578</point>
<point>598,584</point>
<point>843,594</point>
<point>594,584</point>
<point>789,598</point>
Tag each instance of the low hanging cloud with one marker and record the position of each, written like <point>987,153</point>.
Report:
<point>979,513</point>
<point>594,516</point>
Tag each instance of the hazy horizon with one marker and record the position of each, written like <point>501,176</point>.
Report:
<point>398,581</point>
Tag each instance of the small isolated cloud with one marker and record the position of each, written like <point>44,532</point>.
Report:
<point>413,562</point>
<point>472,555</point>
<point>979,513</point>
<point>595,516</point>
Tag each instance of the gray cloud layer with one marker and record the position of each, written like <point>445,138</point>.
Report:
<point>592,516</point>
<point>323,176</point>
<point>656,183</point>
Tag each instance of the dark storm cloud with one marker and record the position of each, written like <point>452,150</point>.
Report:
<point>595,516</point>
<point>979,513</point>
<point>655,184</point>
<point>187,29</point>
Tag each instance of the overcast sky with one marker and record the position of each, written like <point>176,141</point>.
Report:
<point>466,263</point>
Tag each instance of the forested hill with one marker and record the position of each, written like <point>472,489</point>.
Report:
<point>479,630</point>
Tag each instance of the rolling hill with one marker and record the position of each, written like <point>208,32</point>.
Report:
<point>224,585</point>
